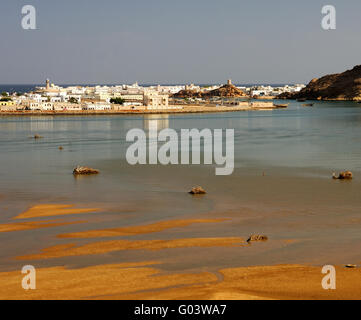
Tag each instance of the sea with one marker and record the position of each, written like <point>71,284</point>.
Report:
<point>281,187</point>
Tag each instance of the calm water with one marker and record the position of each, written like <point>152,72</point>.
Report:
<point>297,150</point>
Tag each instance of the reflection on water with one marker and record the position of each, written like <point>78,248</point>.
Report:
<point>156,121</point>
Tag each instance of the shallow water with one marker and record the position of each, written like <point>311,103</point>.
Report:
<point>281,186</point>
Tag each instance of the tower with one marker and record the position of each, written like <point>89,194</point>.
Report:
<point>47,84</point>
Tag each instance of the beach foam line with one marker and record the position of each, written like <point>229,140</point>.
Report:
<point>48,210</point>
<point>68,250</point>
<point>136,230</point>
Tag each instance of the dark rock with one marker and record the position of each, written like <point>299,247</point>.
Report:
<point>197,190</point>
<point>255,238</point>
<point>343,176</point>
<point>84,171</point>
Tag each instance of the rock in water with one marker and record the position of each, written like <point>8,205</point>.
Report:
<point>343,176</point>
<point>84,171</point>
<point>255,238</point>
<point>197,190</point>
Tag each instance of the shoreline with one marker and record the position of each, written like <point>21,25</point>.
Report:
<point>188,109</point>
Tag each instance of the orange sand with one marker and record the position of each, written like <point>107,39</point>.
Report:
<point>68,250</point>
<point>140,281</point>
<point>48,210</point>
<point>135,230</point>
<point>61,283</point>
<point>11,227</point>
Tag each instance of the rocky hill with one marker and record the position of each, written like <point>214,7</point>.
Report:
<point>226,91</point>
<point>183,94</point>
<point>341,86</point>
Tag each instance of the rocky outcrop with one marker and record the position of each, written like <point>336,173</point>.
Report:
<point>256,238</point>
<point>197,190</point>
<point>341,86</point>
<point>188,94</point>
<point>226,91</point>
<point>84,171</point>
<point>343,176</point>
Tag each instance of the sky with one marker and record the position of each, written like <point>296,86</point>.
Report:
<point>177,41</point>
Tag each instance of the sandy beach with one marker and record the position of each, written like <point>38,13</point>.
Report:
<point>144,281</point>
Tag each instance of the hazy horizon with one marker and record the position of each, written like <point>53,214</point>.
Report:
<point>167,42</point>
<point>144,84</point>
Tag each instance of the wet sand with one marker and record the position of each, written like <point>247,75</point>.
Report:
<point>32,225</point>
<point>136,230</point>
<point>49,210</point>
<point>145,281</point>
<point>69,250</point>
<point>150,280</point>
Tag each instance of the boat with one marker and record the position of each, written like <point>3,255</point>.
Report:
<point>282,105</point>
<point>307,105</point>
<point>301,100</point>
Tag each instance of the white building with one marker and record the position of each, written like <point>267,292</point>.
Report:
<point>97,106</point>
<point>156,100</point>
<point>37,105</point>
<point>64,106</point>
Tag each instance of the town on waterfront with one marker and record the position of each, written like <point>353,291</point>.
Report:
<point>136,98</point>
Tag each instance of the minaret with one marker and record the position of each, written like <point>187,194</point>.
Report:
<point>47,84</point>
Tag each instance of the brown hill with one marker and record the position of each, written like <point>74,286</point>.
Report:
<point>227,91</point>
<point>341,86</point>
<point>183,94</point>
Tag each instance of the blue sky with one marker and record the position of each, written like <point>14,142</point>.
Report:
<point>168,41</point>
